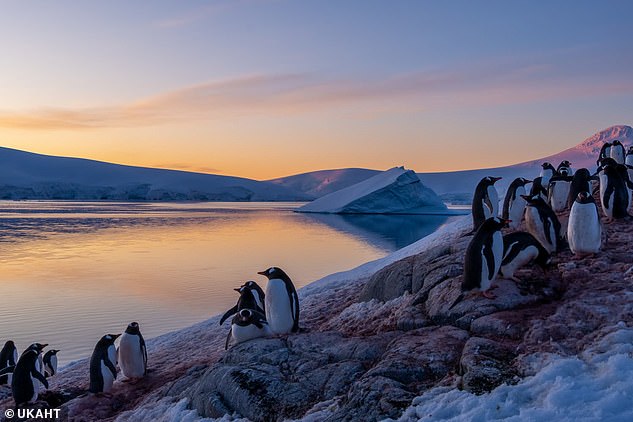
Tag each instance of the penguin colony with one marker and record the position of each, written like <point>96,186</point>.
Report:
<point>489,254</point>
<point>555,190</point>
<point>256,314</point>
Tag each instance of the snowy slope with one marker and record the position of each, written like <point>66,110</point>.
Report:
<point>29,176</point>
<point>320,183</point>
<point>395,191</point>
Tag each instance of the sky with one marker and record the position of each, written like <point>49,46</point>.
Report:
<point>269,88</point>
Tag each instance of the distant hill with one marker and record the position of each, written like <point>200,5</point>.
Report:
<point>457,186</point>
<point>25,175</point>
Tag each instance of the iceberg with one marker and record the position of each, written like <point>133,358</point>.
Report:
<point>395,191</point>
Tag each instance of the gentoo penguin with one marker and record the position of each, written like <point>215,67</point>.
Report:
<point>485,201</point>
<point>519,249</point>
<point>628,160</point>
<point>513,204</point>
<point>132,352</point>
<point>483,257</point>
<point>246,325</point>
<point>564,168</point>
<point>547,172</point>
<point>50,363</point>
<point>581,182</point>
<point>103,365</point>
<point>281,302</point>
<point>558,192</point>
<point>542,223</point>
<point>27,375</point>
<point>584,231</point>
<point>614,194</point>
<point>605,152</point>
<point>8,357</point>
<point>251,297</point>
<point>538,188</point>
<point>617,152</point>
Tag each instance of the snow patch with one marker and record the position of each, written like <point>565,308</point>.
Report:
<point>595,386</point>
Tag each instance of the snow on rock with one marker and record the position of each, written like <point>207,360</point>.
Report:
<point>595,386</point>
<point>395,191</point>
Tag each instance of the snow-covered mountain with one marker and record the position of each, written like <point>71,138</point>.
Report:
<point>25,175</point>
<point>459,185</point>
<point>395,191</point>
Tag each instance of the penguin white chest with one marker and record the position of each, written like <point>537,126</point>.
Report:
<point>584,232</point>
<point>249,332</point>
<point>522,258</point>
<point>493,197</point>
<point>108,376</point>
<point>559,193</point>
<point>278,309</point>
<point>517,208</point>
<point>131,356</point>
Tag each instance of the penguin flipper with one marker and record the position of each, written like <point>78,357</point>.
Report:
<point>7,370</point>
<point>144,350</point>
<point>110,367</point>
<point>228,313</point>
<point>37,375</point>
<point>490,259</point>
<point>228,339</point>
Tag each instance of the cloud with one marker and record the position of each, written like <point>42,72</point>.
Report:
<point>201,13</point>
<point>473,85</point>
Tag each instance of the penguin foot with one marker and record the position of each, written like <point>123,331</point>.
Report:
<point>104,395</point>
<point>488,295</point>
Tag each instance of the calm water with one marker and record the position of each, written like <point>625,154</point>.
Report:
<point>73,271</point>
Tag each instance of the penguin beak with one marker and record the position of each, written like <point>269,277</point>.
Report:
<point>44,345</point>
<point>494,179</point>
<point>261,272</point>
<point>115,336</point>
<point>238,290</point>
<point>528,181</point>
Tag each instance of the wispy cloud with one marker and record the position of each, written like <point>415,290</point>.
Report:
<point>284,94</point>
<point>212,9</point>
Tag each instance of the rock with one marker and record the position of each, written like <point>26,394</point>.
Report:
<point>390,282</point>
<point>485,364</point>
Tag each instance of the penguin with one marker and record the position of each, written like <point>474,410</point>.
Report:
<point>251,297</point>
<point>628,161</point>
<point>513,204</point>
<point>8,358</point>
<point>605,152</point>
<point>103,365</point>
<point>584,231</point>
<point>547,172</point>
<point>564,168</point>
<point>246,325</point>
<point>519,249</point>
<point>27,375</point>
<point>617,152</point>
<point>581,182</point>
<point>558,192</point>
<point>281,302</point>
<point>50,363</point>
<point>538,189</point>
<point>542,223</point>
<point>614,193</point>
<point>132,352</point>
<point>485,202</point>
<point>483,257</point>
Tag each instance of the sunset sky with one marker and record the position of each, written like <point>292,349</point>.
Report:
<point>265,89</point>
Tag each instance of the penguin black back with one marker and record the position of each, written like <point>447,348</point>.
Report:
<point>483,205</point>
<point>521,239</point>
<point>537,187</point>
<point>581,182</point>
<point>251,297</point>
<point>480,252</point>
<point>511,195</point>
<point>603,152</point>
<point>7,359</point>
<point>24,388</point>
<point>102,354</point>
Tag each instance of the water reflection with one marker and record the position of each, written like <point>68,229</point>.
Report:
<point>71,272</point>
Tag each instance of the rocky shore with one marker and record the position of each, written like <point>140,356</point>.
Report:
<point>374,339</point>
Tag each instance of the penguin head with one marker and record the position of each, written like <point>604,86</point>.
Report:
<point>109,338</point>
<point>38,347</point>
<point>533,200</point>
<point>495,223</point>
<point>630,151</point>
<point>249,285</point>
<point>548,166</point>
<point>274,272</point>
<point>132,328</point>
<point>9,344</point>
<point>52,352</point>
<point>564,163</point>
<point>616,143</point>
<point>584,198</point>
<point>489,181</point>
<point>245,315</point>
<point>524,181</point>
